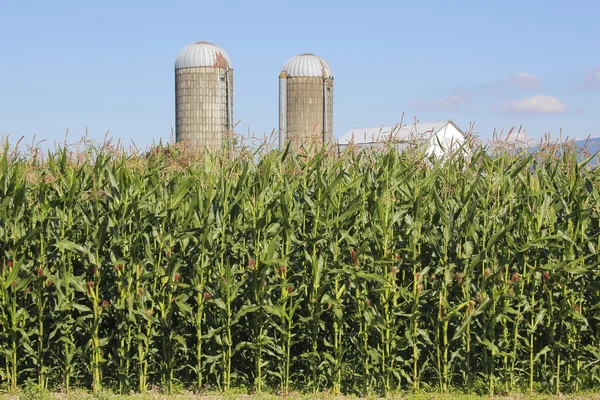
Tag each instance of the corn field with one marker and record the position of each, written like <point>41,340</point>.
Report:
<point>362,272</point>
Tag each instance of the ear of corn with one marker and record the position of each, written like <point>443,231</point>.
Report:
<point>358,273</point>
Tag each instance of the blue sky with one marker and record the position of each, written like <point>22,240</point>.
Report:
<point>108,66</point>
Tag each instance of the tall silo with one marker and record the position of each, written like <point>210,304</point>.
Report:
<point>305,101</point>
<point>203,96</point>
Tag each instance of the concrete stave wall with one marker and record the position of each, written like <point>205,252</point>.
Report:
<point>203,106</point>
<point>305,110</point>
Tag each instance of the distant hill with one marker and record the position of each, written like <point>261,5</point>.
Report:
<point>592,146</point>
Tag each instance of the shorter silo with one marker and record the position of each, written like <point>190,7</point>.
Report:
<point>203,96</point>
<point>305,101</point>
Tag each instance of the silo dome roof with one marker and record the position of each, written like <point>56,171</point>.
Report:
<point>202,54</point>
<point>307,65</point>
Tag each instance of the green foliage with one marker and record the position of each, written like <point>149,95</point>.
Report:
<point>360,273</point>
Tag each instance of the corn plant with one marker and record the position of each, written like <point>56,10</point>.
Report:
<point>366,272</point>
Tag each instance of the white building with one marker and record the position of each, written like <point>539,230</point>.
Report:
<point>441,138</point>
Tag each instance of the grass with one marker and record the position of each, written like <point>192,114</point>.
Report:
<point>103,395</point>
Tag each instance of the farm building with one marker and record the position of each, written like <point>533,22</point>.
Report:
<point>440,137</point>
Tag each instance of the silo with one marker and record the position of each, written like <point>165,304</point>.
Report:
<point>203,96</point>
<point>305,101</point>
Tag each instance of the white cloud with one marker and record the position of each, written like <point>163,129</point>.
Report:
<point>454,102</point>
<point>593,78</point>
<point>460,99</point>
<point>535,104</point>
<point>522,80</point>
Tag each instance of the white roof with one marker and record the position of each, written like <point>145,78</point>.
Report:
<point>360,136</point>
<point>202,54</point>
<point>307,65</point>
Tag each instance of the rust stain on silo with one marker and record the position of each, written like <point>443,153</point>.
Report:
<point>221,62</point>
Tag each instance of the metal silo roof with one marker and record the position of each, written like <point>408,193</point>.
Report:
<point>202,54</point>
<point>307,65</point>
